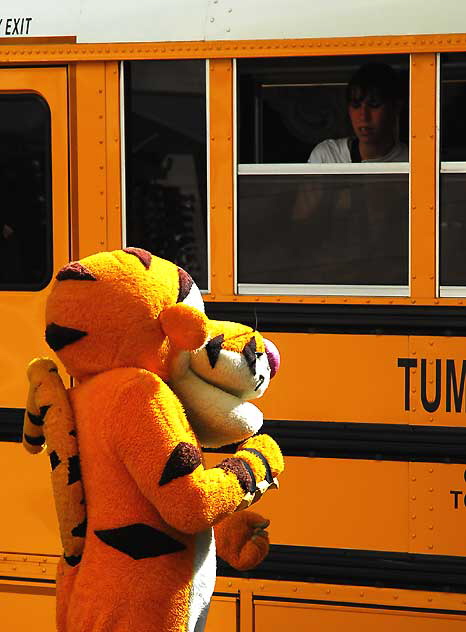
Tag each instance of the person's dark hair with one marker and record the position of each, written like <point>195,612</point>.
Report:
<point>375,80</point>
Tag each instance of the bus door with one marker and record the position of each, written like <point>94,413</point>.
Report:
<point>34,244</point>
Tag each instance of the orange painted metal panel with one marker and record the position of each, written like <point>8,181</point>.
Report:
<point>89,154</point>
<point>435,382</point>
<point>423,180</point>
<point>338,300</point>
<point>221,176</point>
<point>438,508</point>
<point>338,378</point>
<point>113,155</point>
<point>27,607</point>
<point>11,52</point>
<point>22,312</point>
<point>222,615</point>
<point>338,503</point>
<point>276,617</point>
<point>95,149</point>
<point>345,594</point>
<point>29,523</point>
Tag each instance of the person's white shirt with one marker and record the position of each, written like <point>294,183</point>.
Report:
<point>338,151</point>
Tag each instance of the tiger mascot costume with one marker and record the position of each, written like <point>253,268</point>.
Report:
<point>155,380</point>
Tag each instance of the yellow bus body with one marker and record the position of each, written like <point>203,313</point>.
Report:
<point>373,507</point>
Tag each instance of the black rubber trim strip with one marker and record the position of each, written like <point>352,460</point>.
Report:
<point>385,442</point>
<point>27,579</point>
<point>401,320</point>
<point>11,424</point>
<point>339,440</point>
<point>440,573</point>
<point>355,604</point>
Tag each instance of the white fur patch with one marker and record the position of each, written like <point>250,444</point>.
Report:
<point>205,566</point>
<point>194,298</point>
<point>232,373</point>
<point>217,417</point>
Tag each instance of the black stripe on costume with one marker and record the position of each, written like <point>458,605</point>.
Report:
<point>74,469</point>
<point>186,284</point>
<point>144,256</point>
<point>54,460</point>
<point>36,420</point>
<point>58,337</point>
<point>184,459</point>
<point>72,560</point>
<point>139,541</point>
<point>40,440</point>
<point>242,471</point>
<point>249,353</point>
<point>43,411</point>
<point>80,529</point>
<point>75,271</point>
<point>213,348</point>
<point>268,471</point>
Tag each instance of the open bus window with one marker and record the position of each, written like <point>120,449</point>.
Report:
<point>166,162</point>
<point>25,182</point>
<point>335,216</point>
<point>452,175</point>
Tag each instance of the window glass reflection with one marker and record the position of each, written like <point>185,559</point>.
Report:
<point>323,229</point>
<point>166,162</point>
<point>453,229</point>
<point>25,184</point>
<point>453,107</point>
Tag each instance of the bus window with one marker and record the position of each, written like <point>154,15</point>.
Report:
<point>323,175</point>
<point>166,162</point>
<point>25,184</point>
<point>452,264</point>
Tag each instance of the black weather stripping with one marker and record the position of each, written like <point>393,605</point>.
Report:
<point>11,424</point>
<point>409,320</point>
<point>440,573</point>
<point>381,442</point>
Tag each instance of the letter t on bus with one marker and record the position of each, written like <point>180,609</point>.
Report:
<point>407,364</point>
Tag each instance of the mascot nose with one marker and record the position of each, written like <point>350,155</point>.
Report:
<point>273,356</point>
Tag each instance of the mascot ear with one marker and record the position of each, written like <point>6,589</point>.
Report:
<point>186,327</point>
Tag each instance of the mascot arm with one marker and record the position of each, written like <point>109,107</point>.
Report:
<point>241,539</point>
<point>154,440</point>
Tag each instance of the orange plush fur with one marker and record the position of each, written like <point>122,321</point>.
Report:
<point>118,321</point>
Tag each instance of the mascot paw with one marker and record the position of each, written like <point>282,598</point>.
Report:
<point>242,539</point>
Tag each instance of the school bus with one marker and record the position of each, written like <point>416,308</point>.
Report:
<point>185,128</point>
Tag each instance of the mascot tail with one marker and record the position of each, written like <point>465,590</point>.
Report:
<point>49,424</point>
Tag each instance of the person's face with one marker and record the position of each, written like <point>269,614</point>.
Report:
<point>373,120</point>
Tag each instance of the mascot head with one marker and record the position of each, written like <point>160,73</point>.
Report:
<point>129,308</point>
<point>120,309</point>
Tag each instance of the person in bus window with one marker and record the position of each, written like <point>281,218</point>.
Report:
<point>347,229</point>
<point>374,99</point>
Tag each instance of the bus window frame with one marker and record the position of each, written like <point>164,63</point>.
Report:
<point>124,83</point>
<point>310,290</point>
<point>443,167</point>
